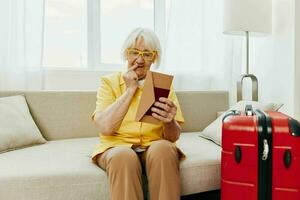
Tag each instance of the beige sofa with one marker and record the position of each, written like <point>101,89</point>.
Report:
<point>61,169</point>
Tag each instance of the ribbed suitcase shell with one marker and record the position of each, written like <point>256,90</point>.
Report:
<point>245,176</point>
<point>285,180</point>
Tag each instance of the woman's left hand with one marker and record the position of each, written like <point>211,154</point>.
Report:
<point>164,110</point>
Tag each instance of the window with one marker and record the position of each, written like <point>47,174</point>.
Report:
<point>167,8</point>
<point>118,18</point>
<point>65,35</point>
<point>90,33</point>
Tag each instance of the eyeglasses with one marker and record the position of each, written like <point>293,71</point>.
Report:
<point>147,55</point>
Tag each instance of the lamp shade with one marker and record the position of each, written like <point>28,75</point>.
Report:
<point>254,16</point>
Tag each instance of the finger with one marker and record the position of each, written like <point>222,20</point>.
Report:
<point>163,119</point>
<point>167,101</point>
<point>160,112</point>
<point>162,105</point>
<point>133,75</point>
<point>133,67</point>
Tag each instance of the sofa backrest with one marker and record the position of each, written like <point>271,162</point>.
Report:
<point>67,114</point>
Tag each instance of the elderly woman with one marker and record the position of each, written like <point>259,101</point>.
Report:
<point>126,146</point>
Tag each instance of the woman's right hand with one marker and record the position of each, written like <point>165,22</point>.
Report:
<point>131,78</point>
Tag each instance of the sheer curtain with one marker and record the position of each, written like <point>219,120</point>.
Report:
<point>197,52</point>
<point>21,44</point>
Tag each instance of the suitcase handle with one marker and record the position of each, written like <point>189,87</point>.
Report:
<point>249,110</point>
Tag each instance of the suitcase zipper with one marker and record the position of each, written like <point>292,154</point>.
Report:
<point>269,135</point>
<point>261,182</point>
<point>231,112</point>
<point>264,157</point>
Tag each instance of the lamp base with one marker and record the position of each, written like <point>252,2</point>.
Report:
<point>254,87</point>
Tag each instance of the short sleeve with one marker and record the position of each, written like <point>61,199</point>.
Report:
<point>179,115</point>
<point>105,96</point>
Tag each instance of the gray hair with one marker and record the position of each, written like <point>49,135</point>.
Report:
<point>150,39</point>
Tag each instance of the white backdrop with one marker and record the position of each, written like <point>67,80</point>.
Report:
<point>197,52</point>
<point>21,38</point>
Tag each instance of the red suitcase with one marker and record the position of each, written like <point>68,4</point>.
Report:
<point>260,156</point>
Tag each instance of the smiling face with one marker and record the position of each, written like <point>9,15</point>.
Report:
<point>143,62</point>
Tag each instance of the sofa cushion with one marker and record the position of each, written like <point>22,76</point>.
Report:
<point>213,131</point>
<point>200,171</point>
<point>62,170</point>
<point>17,128</point>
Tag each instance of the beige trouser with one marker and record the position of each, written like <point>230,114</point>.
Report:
<point>123,167</point>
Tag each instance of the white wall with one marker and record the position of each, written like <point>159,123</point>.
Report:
<point>64,80</point>
<point>72,79</point>
<point>297,59</point>
<point>272,58</point>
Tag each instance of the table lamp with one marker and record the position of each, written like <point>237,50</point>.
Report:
<point>250,18</point>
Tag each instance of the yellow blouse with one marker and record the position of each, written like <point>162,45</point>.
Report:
<point>131,133</point>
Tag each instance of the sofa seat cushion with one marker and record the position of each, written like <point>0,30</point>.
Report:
<point>62,170</point>
<point>201,169</point>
